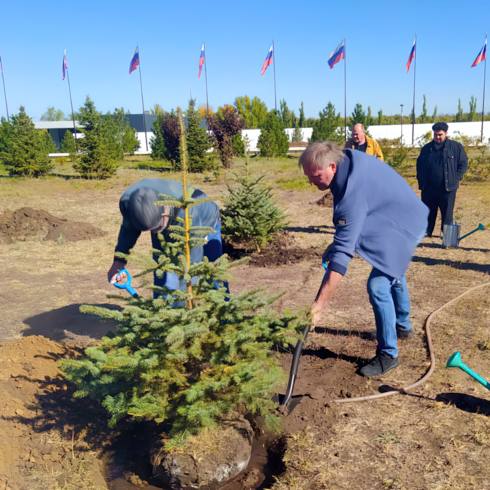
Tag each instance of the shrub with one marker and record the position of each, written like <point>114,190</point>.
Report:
<point>24,149</point>
<point>479,166</point>
<point>250,216</point>
<point>273,140</point>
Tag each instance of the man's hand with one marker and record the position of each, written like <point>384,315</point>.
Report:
<point>316,311</point>
<point>116,266</point>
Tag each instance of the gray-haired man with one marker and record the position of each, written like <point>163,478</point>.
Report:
<point>378,216</point>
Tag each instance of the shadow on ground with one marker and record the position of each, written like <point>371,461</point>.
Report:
<point>472,266</point>
<point>68,323</point>
<point>468,403</point>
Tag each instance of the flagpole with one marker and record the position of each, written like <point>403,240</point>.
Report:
<point>206,81</point>
<point>483,102</point>
<point>274,67</point>
<point>142,101</point>
<point>4,91</point>
<point>413,101</point>
<point>345,92</point>
<point>72,112</point>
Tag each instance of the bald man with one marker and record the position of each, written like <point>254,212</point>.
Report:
<point>360,141</point>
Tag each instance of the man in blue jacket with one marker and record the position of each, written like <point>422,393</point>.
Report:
<point>440,168</point>
<point>379,217</point>
<point>140,214</point>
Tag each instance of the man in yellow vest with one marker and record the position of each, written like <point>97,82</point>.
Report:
<point>362,142</point>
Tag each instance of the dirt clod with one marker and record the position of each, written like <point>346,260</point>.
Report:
<point>36,224</point>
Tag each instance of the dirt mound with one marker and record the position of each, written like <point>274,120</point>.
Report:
<point>283,251</point>
<point>37,224</point>
<point>326,200</point>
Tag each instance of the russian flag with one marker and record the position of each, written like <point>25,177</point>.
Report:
<point>482,55</point>
<point>337,55</point>
<point>411,56</point>
<point>64,65</point>
<point>202,60</point>
<point>268,60</point>
<point>135,61</point>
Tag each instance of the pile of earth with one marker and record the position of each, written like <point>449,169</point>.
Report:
<point>283,251</point>
<point>36,224</point>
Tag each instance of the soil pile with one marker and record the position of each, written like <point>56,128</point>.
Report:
<point>37,224</point>
<point>326,200</point>
<point>283,251</point>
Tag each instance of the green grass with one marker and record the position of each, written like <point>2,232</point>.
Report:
<point>294,184</point>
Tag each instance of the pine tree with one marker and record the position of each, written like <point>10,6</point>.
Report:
<point>197,140</point>
<point>459,113</point>
<point>189,358</point>
<point>424,115</point>
<point>326,128</point>
<point>472,111</point>
<point>297,134</point>
<point>380,117</point>
<point>99,148</point>
<point>358,116</point>
<point>273,140</point>
<point>434,113</point>
<point>250,217</point>
<point>25,149</point>
<point>157,142</point>
<point>68,143</point>
<point>301,118</point>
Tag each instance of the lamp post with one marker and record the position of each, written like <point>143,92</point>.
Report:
<point>401,124</point>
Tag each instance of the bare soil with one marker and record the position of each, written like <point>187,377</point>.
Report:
<point>435,437</point>
<point>31,224</point>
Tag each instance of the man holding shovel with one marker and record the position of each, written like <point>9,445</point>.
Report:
<point>140,214</point>
<point>379,217</point>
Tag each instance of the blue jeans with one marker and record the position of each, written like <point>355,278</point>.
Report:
<point>391,305</point>
<point>212,249</point>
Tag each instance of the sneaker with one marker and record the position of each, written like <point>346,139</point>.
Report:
<point>403,333</point>
<point>379,365</point>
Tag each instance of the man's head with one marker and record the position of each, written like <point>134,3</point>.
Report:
<point>358,134</point>
<point>320,161</point>
<point>440,132</point>
<point>144,214</point>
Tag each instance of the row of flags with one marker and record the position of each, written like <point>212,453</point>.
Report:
<point>335,57</point>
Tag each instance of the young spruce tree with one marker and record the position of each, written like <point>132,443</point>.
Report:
<point>189,358</point>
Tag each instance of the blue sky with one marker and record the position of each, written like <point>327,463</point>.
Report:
<point>100,37</point>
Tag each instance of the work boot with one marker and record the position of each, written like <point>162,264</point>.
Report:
<point>379,365</point>
<point>403,333</point>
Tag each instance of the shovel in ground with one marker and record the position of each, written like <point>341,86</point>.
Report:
<point>122,280</point>
<point>450,235</point>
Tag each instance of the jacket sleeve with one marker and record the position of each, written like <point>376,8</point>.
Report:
<point>127,238</point>
<point>378,152</point>
<point>349,221</point>
<point>462,163</point>
<point>420,163</point>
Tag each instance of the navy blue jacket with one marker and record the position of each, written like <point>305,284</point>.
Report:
<point>455,165</point>
<point>376,215</point>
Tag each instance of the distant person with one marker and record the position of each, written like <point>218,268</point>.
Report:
<point>140,214</point>
<point>360,141</point>
<point>377,216</point>
<point>440,168</point>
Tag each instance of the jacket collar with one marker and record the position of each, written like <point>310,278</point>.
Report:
<point>339,182</point>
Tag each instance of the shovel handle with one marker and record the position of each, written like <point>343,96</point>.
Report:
<point>122,280</point>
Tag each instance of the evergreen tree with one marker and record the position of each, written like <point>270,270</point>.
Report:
<point>157,142</point>
<point>297,134</point>
<point>250,217</point>
<point>99,149</point>
<point>24,149</point>
<point>369,116</point>
<point>68,143</point>
<point>273,140</point>
<point>52,114</point>
<point>358,116</point>
<point>301,118</point>
<point>459,113</point>
<point>225,124</point>
<point>472,111</point>
<point>424,115</point>
<point>197,140</point>
<point>286,114</point>
<point>380,117</point>
<point>327,125</point>
<point>434,113</point>
<point>238,145</point>
<point>125,135</point>
<point>190,358</point>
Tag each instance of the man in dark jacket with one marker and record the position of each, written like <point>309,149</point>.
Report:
<point>140,214</point>
<point>379,217</point>
<point>440,167</point>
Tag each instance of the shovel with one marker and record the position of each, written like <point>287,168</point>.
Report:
<point>122,280</point>
<point>450,235</point>
<point>456,361</point>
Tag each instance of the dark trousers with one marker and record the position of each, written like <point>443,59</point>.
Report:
<point>439,199</point>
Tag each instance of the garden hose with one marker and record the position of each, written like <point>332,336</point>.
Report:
<point>426,376</point>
